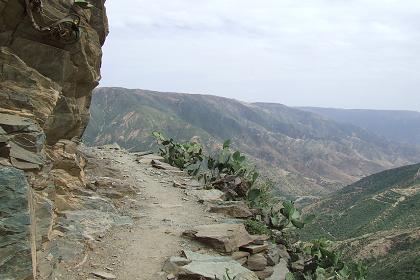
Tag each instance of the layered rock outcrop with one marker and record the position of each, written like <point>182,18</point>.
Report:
<point>50,58</point>
<point>46,78</point>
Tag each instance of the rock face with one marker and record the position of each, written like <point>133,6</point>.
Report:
<point>46,81</point>
<point>15,231</point>
<point>43,78</point>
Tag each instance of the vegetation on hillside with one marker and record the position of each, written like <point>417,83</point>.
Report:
<point>376,219</point>
<point>230,172</point>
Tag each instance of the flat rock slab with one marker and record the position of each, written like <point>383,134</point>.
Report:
<point>104,275</point>
<point>235,209</point>
<point>255,249</point>
<point>207,195</point>
<point>162,165</point>
<point>20,153</point>
<point>192,256</point>
<point>222,237</point>
<point>147,159</point>
<point>214,267</point>
<point>14,123</point>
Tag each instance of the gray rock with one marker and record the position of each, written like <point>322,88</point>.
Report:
<point>22,154</point>
<point>14,123</point>
<point>44,218</point>
<point>15,244</point>
<point>280,271</point>
<point>212,267</point>
<point>192,256</point>
<point>273,255</point>
<point>90,222</point>
<point>283,252</point>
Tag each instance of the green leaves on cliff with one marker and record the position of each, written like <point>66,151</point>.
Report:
<point>288,216</point>
<point>186,155</point>
<point>320,262</point>
<point>83,3</point>
<point>224,169</point>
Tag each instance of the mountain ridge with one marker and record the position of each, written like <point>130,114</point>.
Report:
<point>398,125</point>
<point>302,152</point>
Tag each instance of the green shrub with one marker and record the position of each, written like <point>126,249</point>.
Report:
<point>260,196</point>
<point>256,227</point>
<point>186,156</point>
<point>226,170</point>
<point>320,262</point>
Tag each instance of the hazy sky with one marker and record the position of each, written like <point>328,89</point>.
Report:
<point>335,53</point>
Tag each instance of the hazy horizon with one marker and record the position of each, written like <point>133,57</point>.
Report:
<point>356,54</point>
<point>250,102</point>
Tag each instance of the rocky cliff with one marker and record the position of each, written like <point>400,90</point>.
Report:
<point>50,58</point>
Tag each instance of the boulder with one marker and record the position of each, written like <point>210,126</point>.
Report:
<point>222,237</point>
<point>280,271</point>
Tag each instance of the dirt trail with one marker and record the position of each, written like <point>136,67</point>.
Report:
<point>138,252</point>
